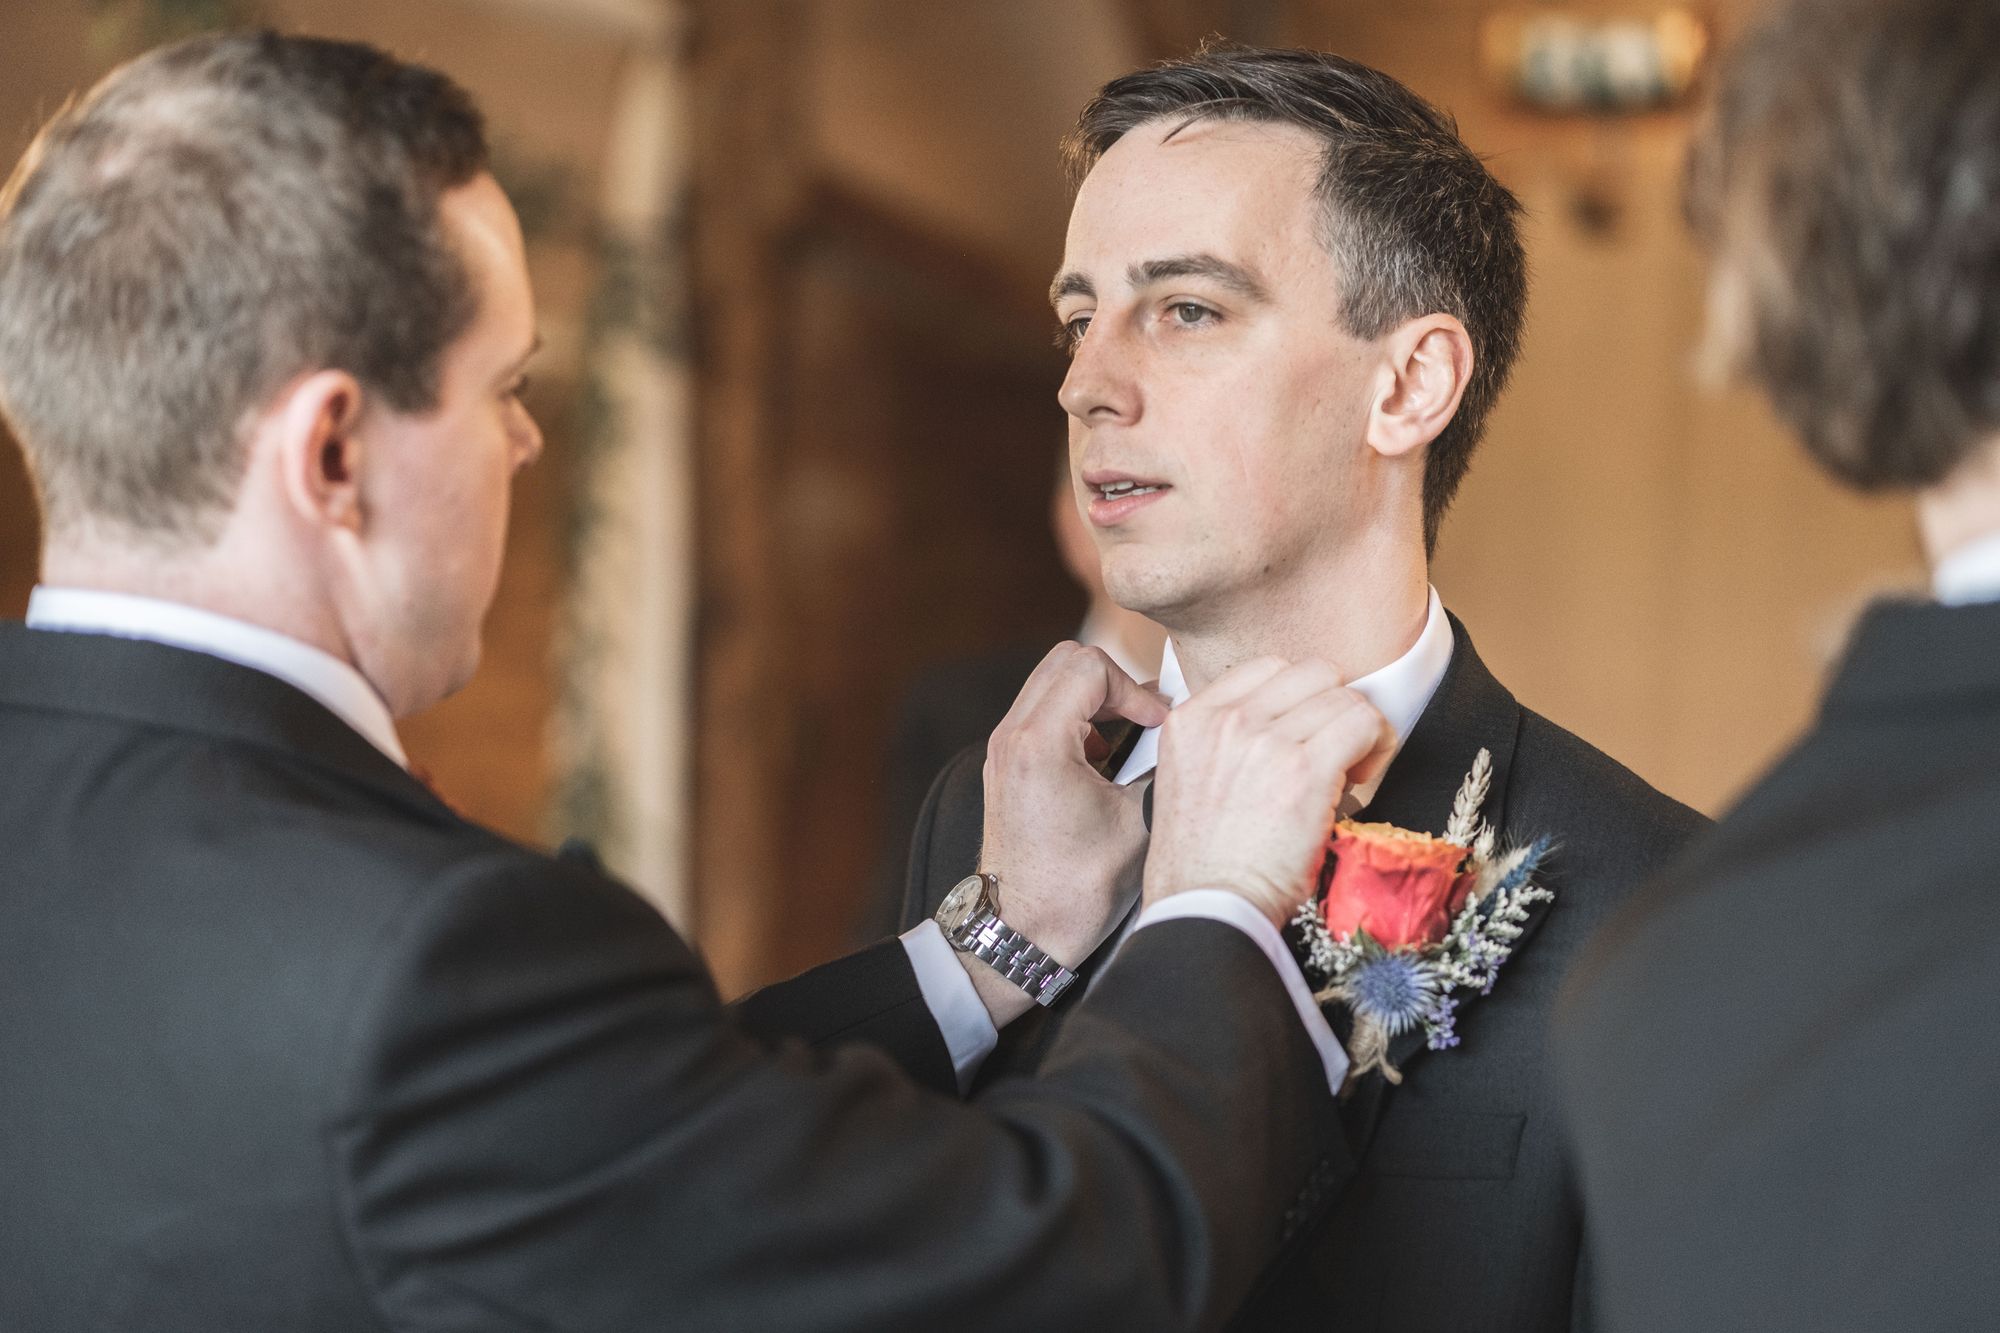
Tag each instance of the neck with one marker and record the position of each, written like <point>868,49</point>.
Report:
<point>216,578</point>
<point>1963,508</point>
<point>1360,621</point>
<point>1132,641</point>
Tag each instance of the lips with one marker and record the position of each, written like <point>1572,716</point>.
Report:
<point>1116,496</point>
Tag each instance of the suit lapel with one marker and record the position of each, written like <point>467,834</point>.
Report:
<point>1471,711</point>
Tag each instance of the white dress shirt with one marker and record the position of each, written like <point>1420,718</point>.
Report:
<point>1969,574</point>
<point>334,683</point>
<point>1401,690</point>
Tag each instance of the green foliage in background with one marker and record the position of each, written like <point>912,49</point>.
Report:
<point>641,296</point>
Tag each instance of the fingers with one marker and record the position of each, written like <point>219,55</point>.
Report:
<point>1125,697</point>
<point>1071,688</point>
<point>1239,681</point>
<point>1294,687</point>
<point>1065,841</point>
<point>1372,730</point>
<point>1333,718</point>
<point>1347,738</point>
<point>1268,691</point>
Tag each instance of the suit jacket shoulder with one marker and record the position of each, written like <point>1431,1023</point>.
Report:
<point>1770,1073</point>
<point>944,709</point>
<point>944,847</point>
<point>1607,821</point>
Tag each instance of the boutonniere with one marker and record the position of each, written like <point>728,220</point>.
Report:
<point>1408,925</point>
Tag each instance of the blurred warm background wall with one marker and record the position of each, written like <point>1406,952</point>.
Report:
<point>790,255</point>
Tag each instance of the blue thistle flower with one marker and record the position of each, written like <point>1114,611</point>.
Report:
<point>1396,990</point>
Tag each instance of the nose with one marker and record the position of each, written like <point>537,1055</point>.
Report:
<point>1102,386</point>
<point>527,440</point>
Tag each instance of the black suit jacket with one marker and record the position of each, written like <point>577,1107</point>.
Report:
<point>1460,1214</point>
<point>1782,1068</point>
<point>946,708</point>
<point>286,1044</point>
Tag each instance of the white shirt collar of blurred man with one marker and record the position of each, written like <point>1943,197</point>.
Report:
<point>1969,574</point>
<point>339,687</point>
<point>1401,691</point>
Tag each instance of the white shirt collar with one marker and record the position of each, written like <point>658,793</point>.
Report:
<point>1401,690</point>
<point>342,689</point>
<point>1969,574</point>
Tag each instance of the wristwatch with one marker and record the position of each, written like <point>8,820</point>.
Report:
<point>970,919</point>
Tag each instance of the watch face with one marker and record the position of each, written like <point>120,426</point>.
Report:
<point>960,904</point>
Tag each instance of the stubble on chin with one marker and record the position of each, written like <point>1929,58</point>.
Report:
<point>1153,584</point>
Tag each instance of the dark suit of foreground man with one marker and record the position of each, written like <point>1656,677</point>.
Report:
<point>1782,1066</point>
<point>289,1045</point>
<point>1292,295</point>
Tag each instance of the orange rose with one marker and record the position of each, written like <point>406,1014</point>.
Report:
<point>1402,888</point>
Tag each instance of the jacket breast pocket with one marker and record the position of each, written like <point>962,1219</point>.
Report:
<point>1446,1145</point>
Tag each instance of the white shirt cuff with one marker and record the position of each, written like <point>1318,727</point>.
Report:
<point>953,1000</point>
<point>1222,905</point>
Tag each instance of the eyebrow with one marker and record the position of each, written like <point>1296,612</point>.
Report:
<point>520,362</point>
<point>1071,283</point>
<point>1147,272</point>
<point>1231,275</point>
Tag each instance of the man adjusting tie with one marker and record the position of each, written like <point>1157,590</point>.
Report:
<point>290,1045</point>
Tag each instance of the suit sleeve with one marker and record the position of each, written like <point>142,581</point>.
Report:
<point>551,1123</point>
<point>871,996</point>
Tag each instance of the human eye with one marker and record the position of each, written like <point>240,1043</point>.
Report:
<point>518,389</point>
<point>1191,314</point>
<point>1071,332</point>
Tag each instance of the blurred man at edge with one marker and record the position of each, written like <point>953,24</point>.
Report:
<point>1781,1064</point>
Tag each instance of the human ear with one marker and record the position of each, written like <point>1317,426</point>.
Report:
<point>319,449</point>
<point>1426,364</point>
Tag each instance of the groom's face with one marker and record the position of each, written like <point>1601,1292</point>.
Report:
<point>1211,368</point>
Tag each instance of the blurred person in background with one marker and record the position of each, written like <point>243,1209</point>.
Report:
<point>1292,296</point>
<point>290,1045</point>
<point>1781,1065</point>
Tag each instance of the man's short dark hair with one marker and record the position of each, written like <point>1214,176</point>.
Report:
<point>1415,222</point>
<point>212,220</point>
<point>1847,186</point>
